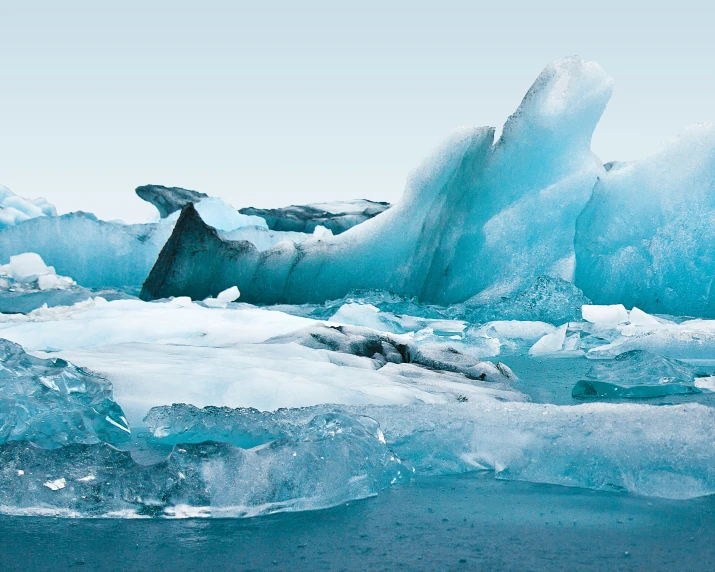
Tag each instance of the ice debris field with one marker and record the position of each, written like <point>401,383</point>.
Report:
<point>524,310</point>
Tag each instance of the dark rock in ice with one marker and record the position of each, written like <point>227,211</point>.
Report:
<point>191,262</point>
<point>383,348</point>
<point>168,200</point>
<point>337,217</point>
<point>51,402</point>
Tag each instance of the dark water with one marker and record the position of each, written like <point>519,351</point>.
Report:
<point>468,522</point>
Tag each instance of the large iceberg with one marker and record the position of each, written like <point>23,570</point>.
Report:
<point>477,218</point>
<point>647,236</point>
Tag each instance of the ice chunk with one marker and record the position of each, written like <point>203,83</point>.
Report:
<point>14,209</point>
<point>646,237</point>
<point>26,267</point>
<point>168,200</point>
<point>475,218</point>
<point>638,317</point>
<point>229,295</point>
<point>327,459</point>
<point>614,314</point>
<point>705,383</point>
<point>335,217</point>
<point>550,343</point>
<point>53,403</point>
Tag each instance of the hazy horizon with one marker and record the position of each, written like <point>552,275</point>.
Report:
<point>273,105</point>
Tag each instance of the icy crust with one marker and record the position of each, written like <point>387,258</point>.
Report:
<point>476,217</point>
<point>14,209</point>
<point>337,216</point>
<point>324,460</point>
<point>52,403</point>
<point>646,237</point>
<point>654,451</point>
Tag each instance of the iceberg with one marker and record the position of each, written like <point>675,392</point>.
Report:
<point>15,209</point>
<point>477,218</point>
<point>646,238</point>
<point>51,403</point>
<point>336,216</point>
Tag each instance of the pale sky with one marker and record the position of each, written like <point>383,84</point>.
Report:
<point>275,103</point>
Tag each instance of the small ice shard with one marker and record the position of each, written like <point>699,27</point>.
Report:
<point>606,315</point>
<point>56,485</point>
<point>550,343</point>
<point>229,295</point>
<point>638,317</point>
<point>706,383</point>
<point>223,298</point>
<point>53,403</point>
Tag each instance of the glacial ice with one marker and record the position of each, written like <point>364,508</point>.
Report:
<point>649,450</point>
<point>646,237</point>
<point>15,209</point>
<point>52,403</point>
<point>327,459</point>
<point>477,218</point>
